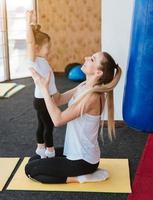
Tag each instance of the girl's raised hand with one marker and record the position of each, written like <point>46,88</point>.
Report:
<point>31,17</point>
<point>28,16</point>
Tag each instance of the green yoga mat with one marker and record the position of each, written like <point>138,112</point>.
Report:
<point>9,89</point>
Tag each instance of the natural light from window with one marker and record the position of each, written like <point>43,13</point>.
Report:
<point>13,16</point>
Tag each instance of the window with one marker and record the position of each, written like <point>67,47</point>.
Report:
<point>14,16</point>
<point>2,42</point>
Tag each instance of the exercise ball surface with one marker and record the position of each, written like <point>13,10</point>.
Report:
<point>76,74</point>
<point>69,67</point>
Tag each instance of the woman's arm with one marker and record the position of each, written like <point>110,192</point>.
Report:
<point>30,40</point>
<point>60,118</point>
<point>63,98</point>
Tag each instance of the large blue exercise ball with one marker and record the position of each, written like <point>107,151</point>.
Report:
<point>138,92</point>
<point>76,74</point>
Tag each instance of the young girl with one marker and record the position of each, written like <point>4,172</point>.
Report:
<point>38,46</point>
<point>79,160</point>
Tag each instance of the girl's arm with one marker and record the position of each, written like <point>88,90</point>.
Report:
<point>30,40</point>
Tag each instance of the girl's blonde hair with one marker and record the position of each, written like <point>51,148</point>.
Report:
<point>106,84</point>
<point>40,37</point>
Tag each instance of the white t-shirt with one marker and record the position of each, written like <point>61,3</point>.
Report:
<point>81,140</point>
<point>42,66</point>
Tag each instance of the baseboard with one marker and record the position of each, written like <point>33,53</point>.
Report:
<point>118,124</point>
<point>59,73</point>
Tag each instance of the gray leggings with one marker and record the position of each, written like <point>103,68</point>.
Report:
<point>58,168</point>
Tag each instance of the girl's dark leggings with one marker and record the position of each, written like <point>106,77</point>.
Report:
<point>44,131</point>
<point>58,168</point>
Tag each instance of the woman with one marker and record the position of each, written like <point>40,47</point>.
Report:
<point>79,160</point>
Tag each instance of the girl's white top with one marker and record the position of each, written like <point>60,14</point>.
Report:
<point>42,66</point>
<point>81,140</point>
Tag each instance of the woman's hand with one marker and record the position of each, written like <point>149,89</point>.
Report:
<point>42,82</point>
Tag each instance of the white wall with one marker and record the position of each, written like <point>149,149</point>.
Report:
<point>115,34</point>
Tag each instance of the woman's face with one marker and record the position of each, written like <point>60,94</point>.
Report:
<point>92,63</point>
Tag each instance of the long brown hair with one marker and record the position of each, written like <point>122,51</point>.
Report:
<point>40,37</point>
<point>106,84</point>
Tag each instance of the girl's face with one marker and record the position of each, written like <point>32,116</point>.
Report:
<point>43,51</point>
<point>91,64</point>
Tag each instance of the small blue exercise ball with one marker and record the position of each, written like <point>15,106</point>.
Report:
<point>76,74</point>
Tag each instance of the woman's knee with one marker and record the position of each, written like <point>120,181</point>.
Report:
<point>27,170</point>
<point>31,169</point>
